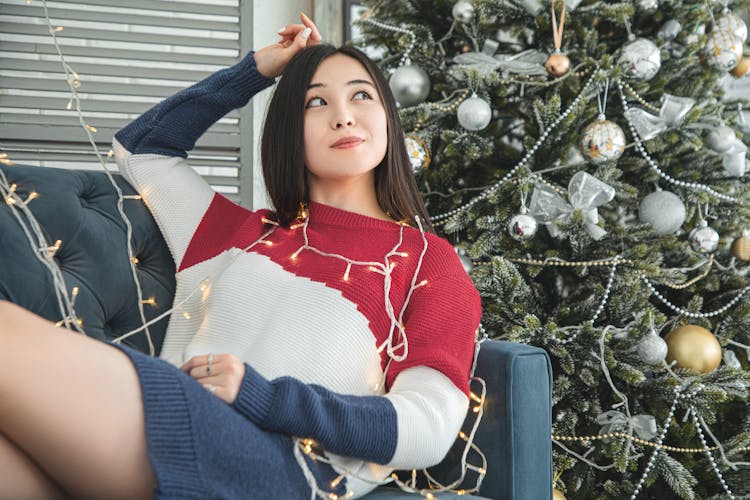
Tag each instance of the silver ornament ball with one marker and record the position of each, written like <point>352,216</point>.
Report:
<point>474,113</point>
<point>641,58</point>
<point>648,5</point>
<point>602,141</point>
<point>730,359</point>
<point>463,11</point>
<point>704,239</point>
<point>669,30</point>
<point>721,138</point>
<point>734,24</point>
<point>723,50</point>
<point>410,85</point>
<point>522,227</point>
<point>652,349</point>
<point>664,210</point>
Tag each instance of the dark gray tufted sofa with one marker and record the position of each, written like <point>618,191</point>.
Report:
<point>79,208</point>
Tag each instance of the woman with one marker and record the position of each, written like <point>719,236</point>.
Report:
<point>320,345</point>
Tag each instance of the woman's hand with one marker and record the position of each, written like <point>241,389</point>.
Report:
<point>272,60</point>
<point>221,374</point>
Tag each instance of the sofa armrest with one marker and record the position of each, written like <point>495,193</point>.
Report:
<point>516,428</point>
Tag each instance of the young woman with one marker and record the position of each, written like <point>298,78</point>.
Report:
<point>312,349</point>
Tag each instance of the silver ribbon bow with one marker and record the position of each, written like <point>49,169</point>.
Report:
<point>673,109</point>
<point>528,62</point>
<point>612,421</point>
<point>585,193</point>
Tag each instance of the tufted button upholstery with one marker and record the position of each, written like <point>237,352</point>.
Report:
<point>80,208</point>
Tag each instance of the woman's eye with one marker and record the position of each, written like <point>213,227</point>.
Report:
<point>364,93</point>
<point>312,102</point>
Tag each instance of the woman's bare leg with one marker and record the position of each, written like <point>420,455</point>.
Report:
<point>21,478</point>
<point>73,404</point>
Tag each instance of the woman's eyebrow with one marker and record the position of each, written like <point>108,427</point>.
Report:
<point>351,82</point>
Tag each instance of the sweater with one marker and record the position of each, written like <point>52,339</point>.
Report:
<point>370,361</point>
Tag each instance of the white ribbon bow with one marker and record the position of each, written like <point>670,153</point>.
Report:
<point>673,109</point>
<point>585,193</point>
<point>643,425</point>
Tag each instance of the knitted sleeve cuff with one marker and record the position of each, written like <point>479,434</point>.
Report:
<point>247,81</point>
<point>255,396</point>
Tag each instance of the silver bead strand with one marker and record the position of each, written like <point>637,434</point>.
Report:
<point>608,290</point>
<point>659,440</point>
<point>405,58</point>
<point>655,166</point>
<point>709,455</point>
<point>676,309</point>
<point>529,154</point>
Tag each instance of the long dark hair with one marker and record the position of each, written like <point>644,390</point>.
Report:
<point>282,143</point>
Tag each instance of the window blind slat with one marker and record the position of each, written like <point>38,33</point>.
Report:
<point>118,36</point>
<point>143,19</point>
<point>158,54</point>
<point>10,63</point>
<point>71,119</point>
<point>19,131</point>
<point>209,8</point>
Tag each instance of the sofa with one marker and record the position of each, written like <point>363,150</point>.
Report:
<point>79,208</point>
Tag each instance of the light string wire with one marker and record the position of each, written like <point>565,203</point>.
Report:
<point>69,317</point>
<point>43,251</point>
<point>303,446</point>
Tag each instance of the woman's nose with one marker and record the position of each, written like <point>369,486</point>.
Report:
<point>343,118</point>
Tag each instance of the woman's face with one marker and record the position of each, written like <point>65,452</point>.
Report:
<point>345,122</point>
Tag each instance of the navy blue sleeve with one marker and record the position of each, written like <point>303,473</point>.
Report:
<point>173,126</point>
<point>363,427</point>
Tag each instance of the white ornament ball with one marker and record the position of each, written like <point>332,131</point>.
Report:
<point>410,85</point>
<point>522,227</point>
<point>641,58</point>
<point>652,349</point>
<point>704,239</point>
<point>602,141</point>
<point>474,113</point>
<point>463,11</point>
<point>723,50</point>
<point>721,138</point>
<point>664,210</point>
<point>734,24</point>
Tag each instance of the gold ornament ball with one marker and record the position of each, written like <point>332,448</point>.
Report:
<point>693,347</point>
<point>741,248</point>
<point>742,68</point>
<point>557,65</point>
<point>557,495</point>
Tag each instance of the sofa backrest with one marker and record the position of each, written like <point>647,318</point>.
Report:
<point>80,209</point>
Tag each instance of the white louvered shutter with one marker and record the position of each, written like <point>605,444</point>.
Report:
<point>129,55</point>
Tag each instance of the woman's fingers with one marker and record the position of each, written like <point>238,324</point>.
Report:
<point>315,34</point>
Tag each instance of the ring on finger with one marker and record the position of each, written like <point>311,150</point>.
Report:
<point>208,366</point>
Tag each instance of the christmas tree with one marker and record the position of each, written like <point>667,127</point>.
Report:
<point>589,166</point>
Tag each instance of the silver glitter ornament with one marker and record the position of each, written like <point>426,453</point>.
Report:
<point>652,349</point>
<point>734,160</point>
<point>732,23</point>
<point>664,210</point>
<point>474,113</point>
<point>723,50</point>
<point>669,30</point>
<point>523,226</point>
<point>463,11</point>
<point>721,138</point>
<point>410,85</point>
<point>465,259</point>
<point>704,239</point>
<point>641,58</point>
<point>602,141</point>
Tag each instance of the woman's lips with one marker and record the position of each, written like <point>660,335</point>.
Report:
<point>348,144</point>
